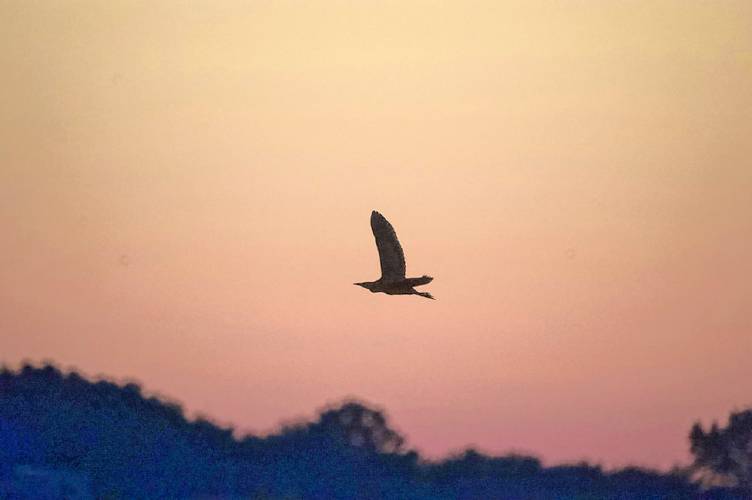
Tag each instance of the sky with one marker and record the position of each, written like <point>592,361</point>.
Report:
<point>185,193</point>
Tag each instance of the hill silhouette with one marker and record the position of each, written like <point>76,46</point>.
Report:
<point>63,436</point>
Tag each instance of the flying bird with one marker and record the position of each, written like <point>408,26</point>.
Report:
<point>392,281</point>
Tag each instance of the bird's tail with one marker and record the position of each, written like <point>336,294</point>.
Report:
<point>423,280</point>
<point>426,295</point>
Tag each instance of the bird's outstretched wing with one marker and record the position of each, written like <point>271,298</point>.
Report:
<point>390,252</point>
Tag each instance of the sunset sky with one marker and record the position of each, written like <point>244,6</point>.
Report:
<point>185,193</point>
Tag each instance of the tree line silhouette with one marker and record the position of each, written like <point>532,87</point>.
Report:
<point>63,436</point>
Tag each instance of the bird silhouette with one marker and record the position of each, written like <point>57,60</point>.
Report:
<point>392,258</point>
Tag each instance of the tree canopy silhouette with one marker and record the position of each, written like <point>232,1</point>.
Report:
<point>726,453</point>
<point>64,436</point>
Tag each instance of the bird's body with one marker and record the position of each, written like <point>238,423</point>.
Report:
<point>392,259</point>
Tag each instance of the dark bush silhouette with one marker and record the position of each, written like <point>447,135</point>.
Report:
<point>725,454</point>
<point>62,436</point>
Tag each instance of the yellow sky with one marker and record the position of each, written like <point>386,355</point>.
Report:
<point>185,190</point>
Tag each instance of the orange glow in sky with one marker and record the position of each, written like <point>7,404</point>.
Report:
<point>185,193</point>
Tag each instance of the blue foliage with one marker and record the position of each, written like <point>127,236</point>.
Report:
<point>110,441</point>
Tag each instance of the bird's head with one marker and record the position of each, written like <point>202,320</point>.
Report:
<point>367,285</point>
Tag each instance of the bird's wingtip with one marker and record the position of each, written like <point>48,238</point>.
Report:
<point>376,215</point>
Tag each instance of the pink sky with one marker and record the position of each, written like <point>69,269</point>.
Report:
<point>185,191</point>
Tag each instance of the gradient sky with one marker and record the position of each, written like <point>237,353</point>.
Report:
<point>185,190</point>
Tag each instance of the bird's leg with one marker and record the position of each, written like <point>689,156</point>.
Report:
<point>424,294</point>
